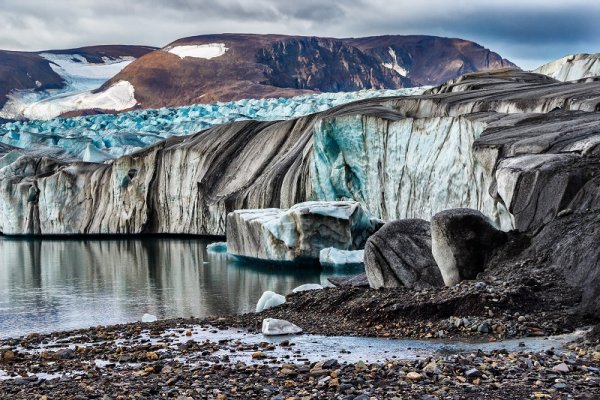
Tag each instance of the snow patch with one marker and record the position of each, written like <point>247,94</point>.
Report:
<point>206,51</point>
<point>394,64</point>
<point>76,70</point>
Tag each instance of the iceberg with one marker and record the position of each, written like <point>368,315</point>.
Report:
<point>96,138</point>
<point>218,247</point>
<point>274,327</point>
<point>269,299</point>
<point>300,232</point>
<point>307,287</point>
<point>149,318</point>
<point>336,258</point>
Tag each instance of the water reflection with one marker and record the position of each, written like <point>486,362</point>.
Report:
<point>48,285</point>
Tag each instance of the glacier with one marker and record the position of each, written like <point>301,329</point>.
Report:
<point>97,138</point>
<point>80,78</point>
<point>479,141</point>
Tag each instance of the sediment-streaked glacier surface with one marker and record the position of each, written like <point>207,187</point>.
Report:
<point>101,137</point>
<point>400,157</point>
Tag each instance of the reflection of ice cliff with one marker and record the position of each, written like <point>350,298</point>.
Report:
<point>66,284</point>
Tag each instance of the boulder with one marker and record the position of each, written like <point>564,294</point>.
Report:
<point>335,258</point>
<point>269,299</point>
<point>273,327</point>
<point>399,254</point>
<point>462,241</point>
<point>299,233</point>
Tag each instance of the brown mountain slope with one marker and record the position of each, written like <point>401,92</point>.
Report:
<point>256,66</point>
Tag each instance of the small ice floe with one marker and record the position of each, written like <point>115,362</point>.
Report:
<point>268,300</point>
<point>218,247</point>
<point>336,258</point>
<point>273,327</point>
<point>149,318</point>
<point>306,287</point>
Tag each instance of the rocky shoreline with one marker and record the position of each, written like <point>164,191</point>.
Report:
<point>167,359</point>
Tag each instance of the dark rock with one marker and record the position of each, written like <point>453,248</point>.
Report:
<point>65,354</point>
<point>399,254</point>
<point>571,245</point>
<point>359,280</point>
<point>462,242</point>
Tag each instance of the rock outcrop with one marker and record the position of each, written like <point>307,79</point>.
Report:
<point>399,255</point>
<point>299,233</point>
<point>462,242</point>
<point>517,146</point>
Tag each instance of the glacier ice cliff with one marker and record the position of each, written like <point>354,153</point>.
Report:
<point>518,146</point>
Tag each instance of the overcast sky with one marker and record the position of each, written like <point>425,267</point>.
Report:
<point>528,32</point>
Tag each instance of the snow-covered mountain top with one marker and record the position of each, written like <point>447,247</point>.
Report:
<point>572,67</point>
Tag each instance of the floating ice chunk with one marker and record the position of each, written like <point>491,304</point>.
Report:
<point>332,257</point>
<point>218,247</point>
<point>149,318</point>
<point>307,287</point>
<point>206,51</point>
<point>269,300</point>
<point>273,327</point>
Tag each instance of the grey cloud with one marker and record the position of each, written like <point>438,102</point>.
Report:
<point>525,31</point>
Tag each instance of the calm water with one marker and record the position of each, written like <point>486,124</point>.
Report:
<point>48,285</point>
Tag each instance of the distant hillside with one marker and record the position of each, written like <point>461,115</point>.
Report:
<point>235,66</point>
<point>226,67</point>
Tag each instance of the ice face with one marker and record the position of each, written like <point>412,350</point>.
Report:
<point>100,137</point>
<point>411,168</point>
